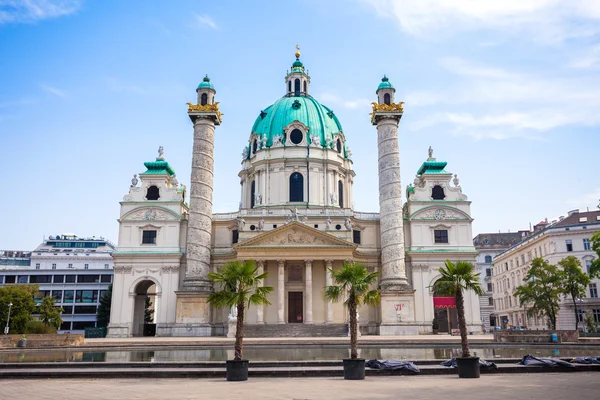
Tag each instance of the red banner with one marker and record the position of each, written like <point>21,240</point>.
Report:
<point>444,302</point>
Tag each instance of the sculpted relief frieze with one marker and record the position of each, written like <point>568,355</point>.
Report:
<point>151,214</point>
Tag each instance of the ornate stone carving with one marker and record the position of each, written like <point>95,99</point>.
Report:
<point>147,271</point>
<point>245,153</point>
<point>170,269</point>
<point>134,181</point>
<point>127,197</point>
<point>150,214</point>
<point>456,181</point>
<point>120,269</point>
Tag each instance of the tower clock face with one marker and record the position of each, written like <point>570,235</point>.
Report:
<point>150,215</point>
<point>439,214</point>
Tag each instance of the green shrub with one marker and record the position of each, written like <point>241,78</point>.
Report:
<point>38,327</point>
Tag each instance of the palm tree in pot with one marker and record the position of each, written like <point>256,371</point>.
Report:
<point>353,280</point>
<point>238,284</point>
<point>455,280</point>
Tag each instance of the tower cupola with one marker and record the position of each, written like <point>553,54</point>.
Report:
<point>297,80</point>
<point>385,91</point>
<point>206,92</point>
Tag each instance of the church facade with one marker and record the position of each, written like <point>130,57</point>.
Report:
<point>296,220</point>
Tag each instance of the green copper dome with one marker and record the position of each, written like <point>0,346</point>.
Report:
<point>320,119</point>
<point>385,84</point>
<point>205,84</point>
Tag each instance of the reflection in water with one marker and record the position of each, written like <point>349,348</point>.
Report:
<point>299,353</point>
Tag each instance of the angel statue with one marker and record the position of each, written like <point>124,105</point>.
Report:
<point>174,181</point>
<point>134,181</point>
<point>161,151</point>
<point>240,223</point>
<point>456,180</point>
<point>430,152</point>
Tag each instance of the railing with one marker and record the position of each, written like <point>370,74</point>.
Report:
<point>287,211</point>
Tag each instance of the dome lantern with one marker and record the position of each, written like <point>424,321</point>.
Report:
<point>297,80</point>
<point>385,91</point>
<point>206,92</point>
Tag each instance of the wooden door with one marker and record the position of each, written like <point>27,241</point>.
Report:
<point>295,308</point>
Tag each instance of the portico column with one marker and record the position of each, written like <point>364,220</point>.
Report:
<point>308,319</point>
<point>260,311</point>
<point>280,291</point>
<point>328,282</point>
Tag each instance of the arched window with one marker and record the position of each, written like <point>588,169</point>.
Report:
<point>488,259</point>
<point>152,193</point>
<point>437,193</point>
<point>254,146</point>
<point>290,86</point>
<point>341,194</point>
<point>296,136</point>
<point>386,99</point>
<point>203,99</point>
<point>252,193</point>
<point>304,87</point>
<point>297,87</point>
<point>338,146</point>
<point>296,187</point>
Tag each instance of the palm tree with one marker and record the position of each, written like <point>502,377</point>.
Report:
<point>239,288</point>
<point>355,280</point>
<point>455,279</point>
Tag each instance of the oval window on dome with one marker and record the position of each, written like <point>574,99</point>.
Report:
<point>296,136</point>
<point>254,146</point>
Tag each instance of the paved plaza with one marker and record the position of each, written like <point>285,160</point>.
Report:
<point>547,386</point>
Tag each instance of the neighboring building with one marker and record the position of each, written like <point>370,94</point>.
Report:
<point>75,271</point>
<point>489,245</point>
<point>296,219</point>
<point>14,258</point>
<point>553,242</point>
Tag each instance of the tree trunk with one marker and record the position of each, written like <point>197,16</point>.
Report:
<point>576,313</point>
<point>462,323</point>
<point>353,328</point>
<point>239,333</point>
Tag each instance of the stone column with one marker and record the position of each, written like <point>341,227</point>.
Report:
<point>280,291</point>
<point>200,216</point>
<point>328,282</point>
<point>260,310</point>
<point>308,319</point>
<point>393,275</point>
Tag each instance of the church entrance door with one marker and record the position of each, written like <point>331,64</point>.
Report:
<point>295,308</point>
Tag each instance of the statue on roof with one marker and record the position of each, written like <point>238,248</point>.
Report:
<point>328,223</point>
<point>456,180</point>
<point>134,181</point>
<point>161,151</point>
<point>174,181</point>
<point>261,224</point>
<point>430,152</point>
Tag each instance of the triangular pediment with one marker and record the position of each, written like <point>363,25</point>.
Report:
<point>295,234</point>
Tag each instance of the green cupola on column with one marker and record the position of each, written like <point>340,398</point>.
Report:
<point>385,91</point>
<point>206,92</point>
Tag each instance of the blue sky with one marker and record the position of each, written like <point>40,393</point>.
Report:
<point>507,92</point>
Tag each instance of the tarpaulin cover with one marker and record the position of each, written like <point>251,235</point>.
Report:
<point>544,362</point>
<point>482,364</point>
<point>587,360</point>
<point>444,302</point>
<point>392,365</point>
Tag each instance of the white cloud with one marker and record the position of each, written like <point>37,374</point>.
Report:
<point>14,11</point>
<point>54,91</point>
<point>544,20</point>
<point>331,99</point>
<point>205,21</point>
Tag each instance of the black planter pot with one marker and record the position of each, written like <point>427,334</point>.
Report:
<point>237,370</point>
<point>468,367</point>
<point>354,368</point>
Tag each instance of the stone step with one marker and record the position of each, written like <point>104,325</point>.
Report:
<point>296,330</point>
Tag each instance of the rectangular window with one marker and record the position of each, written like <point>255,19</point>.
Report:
<point>440,236</point>
<point>37,266</point>
<point>86,266</point>
<point>569,245</point>
<point>40,279</point>
<point>488,272</point>
<point>596,312</point>
<point>102,293</point>
<point>70,278</point>
<point>81,325</point>
<point>53,266</point>
<point>40,295</point>
<point>235,236</point>
<point>10,279</point>
<point>23,279</point>
<point>70,266</point>
<point>59,278</point>
<point>593,291</point>
<point>88,278</point>
<point>356,237</point>
<point>68,298</point>
<point>105,278</point>
<point>85,310</point>
<point>105,266</point>
<point>490,301</point>
<point>65,326</point>
<point>489,285</point>
<point>57,294</point>
<point>588,265</point>
<point>586,244</point>
<point>86,296</point>
<point>67,310</point>
<point>149,237</point>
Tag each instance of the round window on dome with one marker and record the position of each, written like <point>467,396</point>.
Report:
<point>296,136</point>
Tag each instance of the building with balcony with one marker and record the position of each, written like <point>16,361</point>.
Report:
<point>568,236</point>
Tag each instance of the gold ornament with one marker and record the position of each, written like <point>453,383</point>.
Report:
<point>213,108</point>
<point>297,51</point>
<point>385,108</point>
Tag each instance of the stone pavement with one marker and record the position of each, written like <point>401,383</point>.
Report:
<point>550,386</point>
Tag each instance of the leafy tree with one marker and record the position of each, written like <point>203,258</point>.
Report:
<point>574,282</point>
<point>21,296</point>
<point>354,280</point>
<point>455,279</point>
<point>590,323</point>
<point>595,267</point>
<point>238,282</point>
<point>103,317</point>
<point>541,291</point>
<point>49,314</point>
<point>148,311</point>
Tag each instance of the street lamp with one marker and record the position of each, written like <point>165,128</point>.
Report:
<point>7,319</point>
